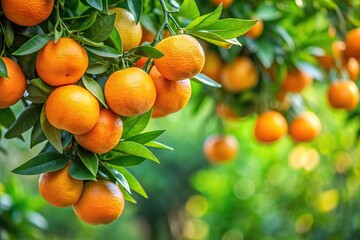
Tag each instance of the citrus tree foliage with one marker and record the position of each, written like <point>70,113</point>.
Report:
<point>90,23</point>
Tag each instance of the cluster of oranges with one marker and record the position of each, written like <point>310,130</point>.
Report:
<point>71,107</point>
<point>243,74</point>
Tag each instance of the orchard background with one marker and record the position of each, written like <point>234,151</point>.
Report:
<point>274,180</point>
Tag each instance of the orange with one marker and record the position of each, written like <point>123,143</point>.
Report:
<point>184,57</point>
<point>283,100</point>
<point>220,149</point>
<point>72,108</point>
<point>125,24</point>
<point>352,67</point>
<point>61,63</point>
<point>157,114</point>
<point>226,111</point>
<point>343,95</point>
<point>352,39</point>
<point>240,75</point>
<point>296,81</point>
<point>130,92</point>
<point>305,127</point>
<point>270,126</point>
<point>171,96</point>
<point>59,189</point>
<point>27,12</point>
<point>141,62</point>
<point>12,88</point>
<point>147,36</point>
<point>226,3</point>
<point>213,65</point>
<point>338,53</point>
<point>256,30</point>
<point>105,135</point>
<point>101,202</point>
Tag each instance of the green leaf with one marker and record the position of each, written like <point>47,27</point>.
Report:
<point>88,22</point>
<point>104,51</point>
<point>97,4</point>
<point>37,135</point>
<point>101,29</point>
<point>87,41</point>
<point>265,52</point>
<point>135,149</point>
<point>8,32</point>
<point>146,137</point>
<point>132,181</point>
<point>126,161</point>
<point>122,180</point>
<point>116,39</point>
<point>215,39</point>
<point>52,134</point>
<point>267,12</point>
<point>148,51</point>
<point>128,197</point>
<point>202,78</point>
<point>45,162</point>
<point>228,28</point>
<point>188,9</point>
<point>154,144</point>
<point>206,20</point>
<point>91,85</point>
<point>114,176</point>
<point>89,159</point>
<point>7,117</point>
<point>79,171</point>
<point>25,121</point>
<point>135,125</point>
<point>98,68</point>
<point>3,69</point>
<point>33,45</point>
<point>37,82</point>
<point>136,8</point>
<point>35,94</point>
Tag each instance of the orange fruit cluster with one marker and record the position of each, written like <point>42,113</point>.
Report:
<point>94,202</point>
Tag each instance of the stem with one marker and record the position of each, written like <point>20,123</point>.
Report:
<point>167,16</point>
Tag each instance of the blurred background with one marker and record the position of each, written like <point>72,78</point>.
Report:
<point>285,190</point>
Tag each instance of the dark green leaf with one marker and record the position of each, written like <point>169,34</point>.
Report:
<point>122,180</point>
<point>79,171</point>
<point>136,8</point>
<point>265,52</point>
<point>46,162</point>
<point>25,121</point>
<point>35,95</point>
<point>37,135</point>
<point>116,39</point>
<point>148,51</point>
<point>202,78</point>
<point>97,4</point>
<point>101,29</point>
<point>91,85</point>
<point>3,69</point>
<point>135,149</point>
<point>135,125</point>
<point>87,41</point>
<point>98,68</point>
<point>8,32</point>
<point>188,9</point>
<point>88,22</point>
<point>206,20</point>
<point>33,45</point>
<point>154,144</point>
<point>132,181</point>
<point>146,137</point>
<point>52,134</point>
<point>104,51</point>
<point>7,117</point>
<point>89,159</point>
<point>37,82</point>
<point>126,161</point>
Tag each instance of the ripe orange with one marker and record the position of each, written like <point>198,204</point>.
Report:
<point>343,95</point>
<point>352,67</point>
<point>105,135</point>
<point>305,127</point>
<point>12,88</point>
<point>256,30</point>
<point>296,81</point>
<point>213,65</point>
<point>27,12</point>
<point>125,24</point>
<point>147,36</point>
<point>61,63</point>
<point>220,149</point>
<point>130,92</point>
<point>59,189</point>
<point>101,202</point>
<point>72,108</point>
<point>351,40</point>
<point>184,57</point>
<point>225,111</point>
<point>270,126</point>
<point>226,3</point>
<point>157,114</point>
<point>141,62</point>
<point>240,75</point>
<point>338,52</point>
<point>171,96</point>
